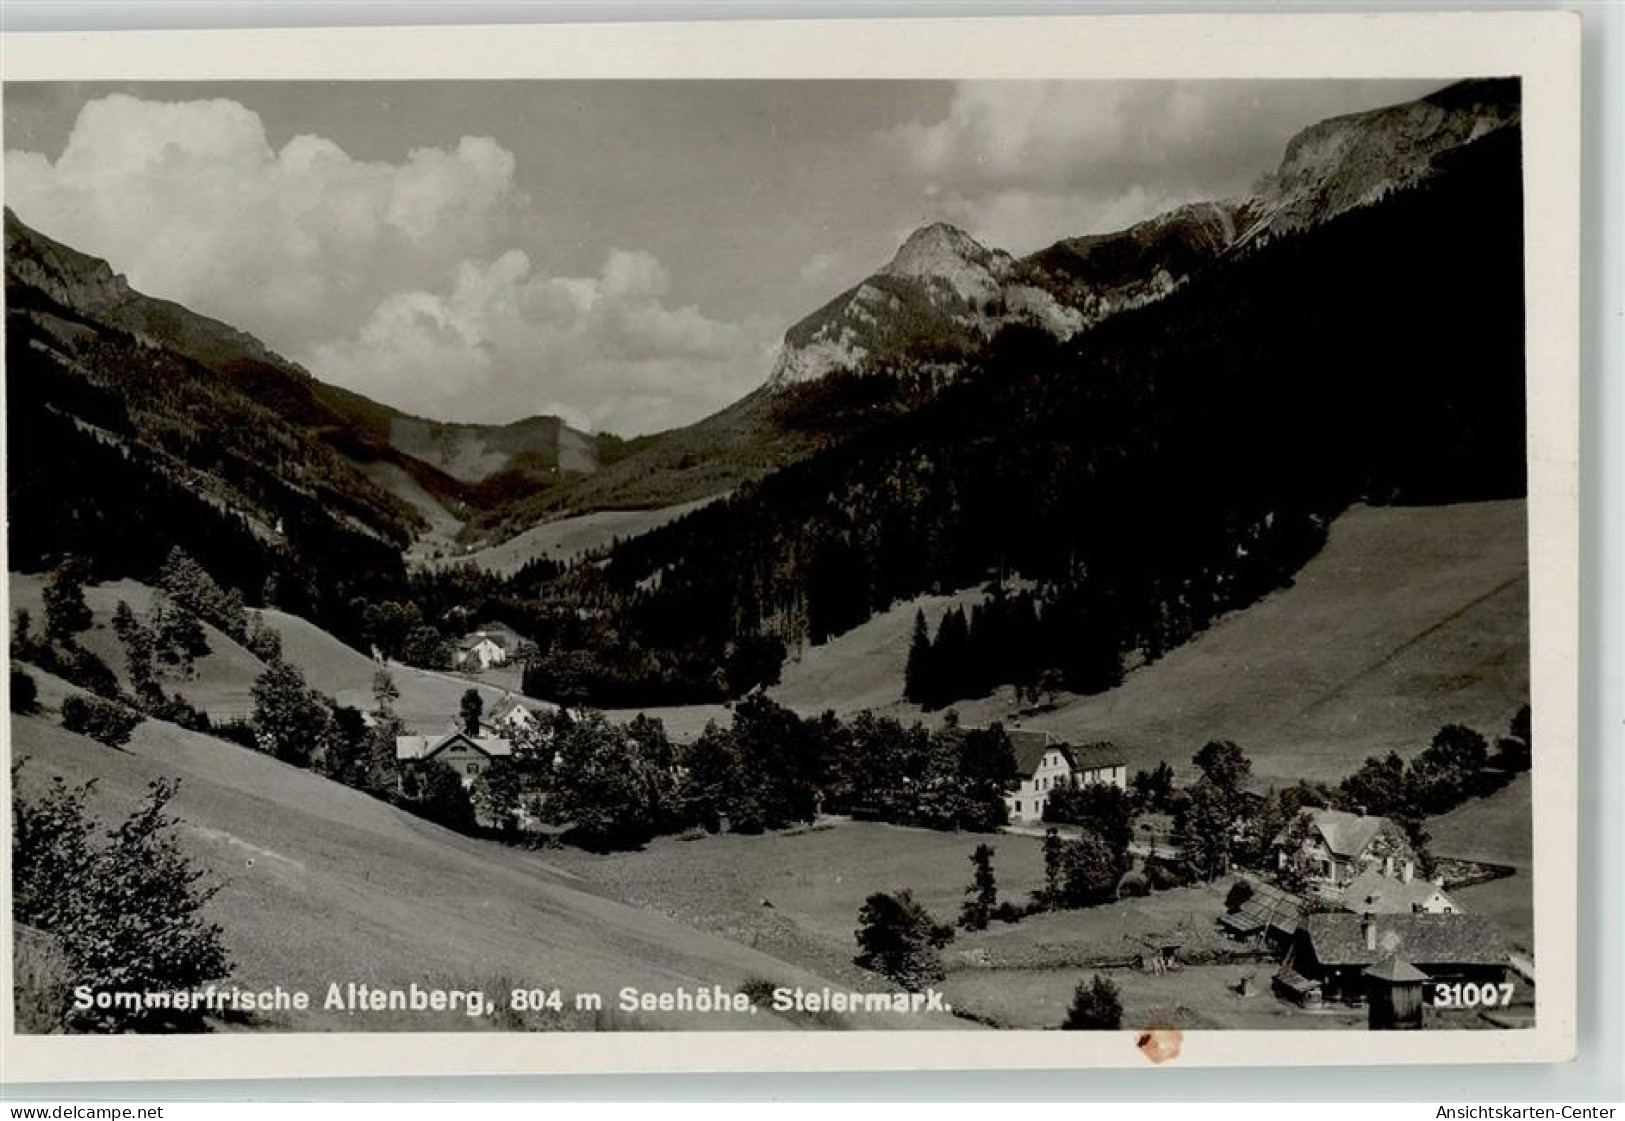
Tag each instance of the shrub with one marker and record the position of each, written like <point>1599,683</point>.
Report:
<point>1011,912</point>
<point>24,693</point>
<point>238,731</point>
<point>1236,898</point>
<point>103,721</point>
<point>435,791</point>
<point>1163,874</point>
<point>126,915</point>
<point>759,989</point>
<point>42,985</point>
<point>901,940</point>
<point>1096,1006</point>
<point>1133,886</point>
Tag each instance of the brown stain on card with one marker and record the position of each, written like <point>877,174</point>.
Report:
<point>1160,1044</point>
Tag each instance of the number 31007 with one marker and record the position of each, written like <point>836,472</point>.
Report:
<point>1469,994</point>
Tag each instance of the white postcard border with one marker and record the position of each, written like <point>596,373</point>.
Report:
<point>1540,47</point>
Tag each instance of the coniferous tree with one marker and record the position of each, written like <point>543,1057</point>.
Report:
<point>1096,1006</point>
<point>977,910</point>
<point>471,710</point>
<point>66,612</point>
<point>917,673</point>
<point>899,938</point>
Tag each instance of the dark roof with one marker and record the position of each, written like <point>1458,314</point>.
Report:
<point>1267,907</point>
<point>426,747</point>
<point>1290,978</point>
<point>1029,749</point>
<point>1092,756</point>
<point>1392,968</point>
<point>1423,940</point>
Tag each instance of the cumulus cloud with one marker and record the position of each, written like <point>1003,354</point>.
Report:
<point>1023,163</point>
<point>505,341</point>
<point>399,279</point>
<point>193,203</point>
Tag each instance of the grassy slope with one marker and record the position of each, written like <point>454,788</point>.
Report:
<point>325,884</point>
<point>225,676</point>
<point>1411,617</point>
<point>568,538</point>
<point>1497,829</point>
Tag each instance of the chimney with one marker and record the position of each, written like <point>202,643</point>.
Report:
<point>1406,871</point>
<point>1368,927</point>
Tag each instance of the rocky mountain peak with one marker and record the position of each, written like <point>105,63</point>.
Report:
<point>1350,161</point>
<point>69,277</point>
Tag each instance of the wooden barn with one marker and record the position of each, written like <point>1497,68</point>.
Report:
<point>1334,951</point>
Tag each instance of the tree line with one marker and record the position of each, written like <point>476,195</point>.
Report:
<point>1132,477</point>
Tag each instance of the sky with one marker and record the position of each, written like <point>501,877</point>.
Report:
<point>624,254</point>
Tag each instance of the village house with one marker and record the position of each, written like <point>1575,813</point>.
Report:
<point>467,755</point>
<point>1044,765</point>
<point>1336,847</point>
<point>494,644</point>
<point>1373,892</point>
<point>510,715</point>
<point>1332,952</point>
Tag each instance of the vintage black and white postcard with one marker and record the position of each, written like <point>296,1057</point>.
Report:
<point>960,543</point>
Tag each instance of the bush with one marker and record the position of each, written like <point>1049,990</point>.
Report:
<point>239,732</point>
<point>24,693</point>
<point>758,989</point>
<point>1240,892</point>
<point>436,792</point>
<point>901,940</point>
<point>103,721</point>
<point>1096,1006</point>
<point>1133,886</point>
<point>1013,912</point>
<point>1163,874</point>
<point>125,915</point>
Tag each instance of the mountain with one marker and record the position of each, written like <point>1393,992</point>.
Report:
<point>944,295</point>
<point>1172,463</point>
<point>209,410</point>
<point>928,313</point>
<point>1351,161</point>
<point>458,464</point>
<point>941,295</point>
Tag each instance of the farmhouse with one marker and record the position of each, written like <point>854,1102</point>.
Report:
<point>1044,765</point>
<point>1332,952</point>
<point>1373,893</point>
<point>465,754</point>
<point>510,715</point>
<point>1335,847</point>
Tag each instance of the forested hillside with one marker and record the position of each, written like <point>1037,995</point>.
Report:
<point>1173,463</point>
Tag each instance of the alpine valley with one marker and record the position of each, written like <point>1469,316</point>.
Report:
<point>1131,434</point>
<point>1231,501</point>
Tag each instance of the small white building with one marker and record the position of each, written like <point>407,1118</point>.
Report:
<point>480,651</point>
<point>1045,765</point>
